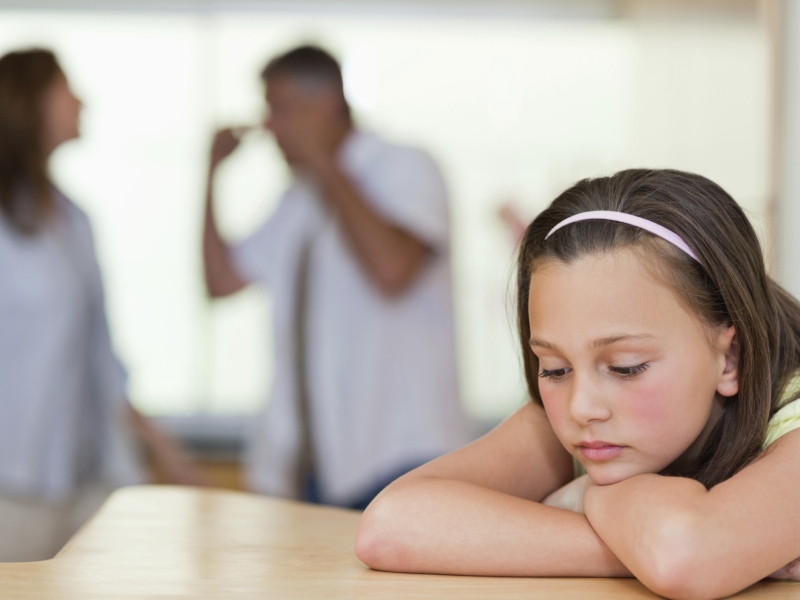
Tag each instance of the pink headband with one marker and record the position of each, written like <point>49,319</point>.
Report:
<point>621,217</point>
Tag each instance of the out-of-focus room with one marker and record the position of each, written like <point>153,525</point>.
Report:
<point>514,99</point>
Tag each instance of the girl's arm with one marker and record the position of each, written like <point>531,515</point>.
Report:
<point>476,511</point>
<point>682,541</point>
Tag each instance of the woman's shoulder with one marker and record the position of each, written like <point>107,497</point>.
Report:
<point>76,219</point>
<point>68,208</point>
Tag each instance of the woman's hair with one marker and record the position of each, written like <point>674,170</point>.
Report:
<point>728,286</point>
<point>25,188</point>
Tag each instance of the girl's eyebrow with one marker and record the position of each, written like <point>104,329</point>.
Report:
<point>598,343</point>
<point>534,343</point>
<point>607,341</point>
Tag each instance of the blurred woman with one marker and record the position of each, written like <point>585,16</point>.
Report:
<point>66,428</point>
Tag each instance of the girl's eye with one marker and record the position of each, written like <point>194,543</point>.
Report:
<point>629,372</point>
<point>554,374</point>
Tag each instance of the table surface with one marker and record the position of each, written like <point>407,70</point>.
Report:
<point>164,541</point>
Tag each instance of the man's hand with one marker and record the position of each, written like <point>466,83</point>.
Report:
<point>222,278</point>
<point>224,143</point>
<point>570,496</point>
<point>309,139</point>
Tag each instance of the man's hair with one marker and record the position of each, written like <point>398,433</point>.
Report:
<point>728,285</point>
<point>310,64</point>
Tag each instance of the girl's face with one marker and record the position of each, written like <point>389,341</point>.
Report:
<point>61,111</point>
<point>631,380</point>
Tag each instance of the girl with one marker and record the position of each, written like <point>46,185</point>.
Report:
<point>661,358</point>
<point>64,420</point>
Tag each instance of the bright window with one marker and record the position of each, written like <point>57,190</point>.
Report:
<point>515,109</point>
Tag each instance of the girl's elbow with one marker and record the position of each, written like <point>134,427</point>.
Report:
<point>368,546</point>
<point>378,542</point>
<point>675,563</point>
<point>679,585</point>
<point>688,582</point>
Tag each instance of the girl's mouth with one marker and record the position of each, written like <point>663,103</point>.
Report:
<point>599,450</point>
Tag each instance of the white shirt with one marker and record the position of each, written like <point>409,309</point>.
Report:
<point>382,381</point>
<point>62,390</point>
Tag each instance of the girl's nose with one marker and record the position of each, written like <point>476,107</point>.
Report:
<point>587,401</point>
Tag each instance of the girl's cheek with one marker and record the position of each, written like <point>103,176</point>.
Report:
<point>650,402</point>
<point>556,409</point>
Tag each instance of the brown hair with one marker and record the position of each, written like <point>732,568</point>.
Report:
<point>729,285</point>
<point>310,63</point>
<point>25,187</point>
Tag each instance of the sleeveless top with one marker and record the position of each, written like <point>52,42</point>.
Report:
<point>788,416</point>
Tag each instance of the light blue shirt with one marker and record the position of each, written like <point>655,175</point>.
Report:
<point>62,389</point>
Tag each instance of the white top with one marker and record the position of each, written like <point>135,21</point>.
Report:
<point>62,390</point>
<point>381,371</point>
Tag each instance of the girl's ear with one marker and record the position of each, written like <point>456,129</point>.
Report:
<point>728,384</point>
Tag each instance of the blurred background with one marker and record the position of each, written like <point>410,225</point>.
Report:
<point>516,99</point>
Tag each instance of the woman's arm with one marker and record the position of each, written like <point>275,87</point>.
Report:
<point>178,466</point>
<point>682,541</point>
<point>476,511</point>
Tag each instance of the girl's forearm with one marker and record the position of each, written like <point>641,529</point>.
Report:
<point>657,526</point>
<point>432,525</point>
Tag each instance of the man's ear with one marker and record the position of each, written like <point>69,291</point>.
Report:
<point>335,102</point>
<point>728,384</point>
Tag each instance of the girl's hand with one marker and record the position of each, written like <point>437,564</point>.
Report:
<point>790,571</point>
<point>571,495</point>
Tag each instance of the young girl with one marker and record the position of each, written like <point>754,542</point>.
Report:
<point>663,360</point>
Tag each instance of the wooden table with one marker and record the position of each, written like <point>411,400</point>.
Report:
<point>161,541</point>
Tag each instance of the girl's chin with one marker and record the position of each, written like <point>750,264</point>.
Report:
<point>611,474</point>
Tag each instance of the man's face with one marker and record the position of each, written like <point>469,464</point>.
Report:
<point>296,110</point>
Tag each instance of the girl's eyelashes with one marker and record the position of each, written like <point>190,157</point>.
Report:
<point>623,372</point>
<point>553,374</point>
<point>629,372</point>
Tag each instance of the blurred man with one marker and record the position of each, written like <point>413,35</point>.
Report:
<point>356,257</point>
